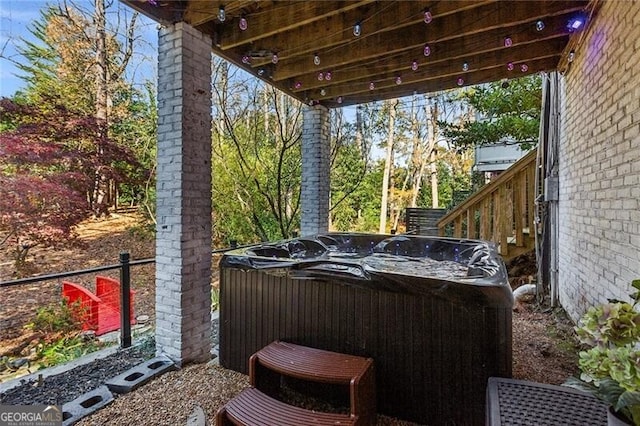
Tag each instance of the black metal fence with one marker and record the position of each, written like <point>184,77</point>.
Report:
<point>124,265</point>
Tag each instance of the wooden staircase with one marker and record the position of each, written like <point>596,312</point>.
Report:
<point>503,211</point>
<point>258,405</point>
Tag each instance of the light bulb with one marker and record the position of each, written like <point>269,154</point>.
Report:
<point>572,56</point>
<point>427,16</point>
<point>510,66</point>
<point>320,76</point>
<point>508,42</point>
<point>261,72</point>
<point>414,65</point>
<point>297,85</point>
<point>316,59</point>
<point>323,92</point>
<point>243,24</point>
<point>524,68</point>
<point>357,29</point>
<point>460,81</point>
<point>539,25</point>
<point>372,86</point>
<point>398,80</point>
<point>465,67</point>
<point>327,75</point>
<point>246,59</point>
<point>575,23</point>
<point>275,58</point>
<point>221,14</point>
<point>426,50</point>
<point>339,99</point>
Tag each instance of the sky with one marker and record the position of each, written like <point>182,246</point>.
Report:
<point>16,18</point>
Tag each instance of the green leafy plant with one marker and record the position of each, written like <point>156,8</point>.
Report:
<point>64,350</point>
<point>610,367</point>
<point>60,317</point>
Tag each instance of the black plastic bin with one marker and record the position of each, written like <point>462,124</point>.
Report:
<point>433,313</point>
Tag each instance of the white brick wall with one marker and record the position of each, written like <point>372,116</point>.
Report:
<point>599,158</point>
<point>315,171</point>
<point>183,240</point>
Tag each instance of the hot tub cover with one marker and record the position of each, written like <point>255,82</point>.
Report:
<point>452,268</point>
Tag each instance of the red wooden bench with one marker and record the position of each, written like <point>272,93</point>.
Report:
<point>100,311</point>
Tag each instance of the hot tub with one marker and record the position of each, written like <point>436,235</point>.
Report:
<point>433,313</point>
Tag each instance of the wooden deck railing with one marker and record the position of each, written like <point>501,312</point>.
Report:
<point>503,211</point>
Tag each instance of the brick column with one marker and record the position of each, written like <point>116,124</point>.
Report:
<point>183,239</point>
<point>315,171</point>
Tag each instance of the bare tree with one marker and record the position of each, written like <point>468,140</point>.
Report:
<point>388,165</point>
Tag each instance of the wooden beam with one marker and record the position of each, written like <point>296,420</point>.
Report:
<point>293,19</point>
<point>468,23</point>
<point>484,60</point>
<point>356,95</point>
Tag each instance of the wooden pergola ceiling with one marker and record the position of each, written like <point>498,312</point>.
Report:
<point>404,47</point>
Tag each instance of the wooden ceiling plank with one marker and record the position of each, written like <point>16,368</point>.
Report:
<point>338,17</point>
<point>337,32</point>
<point>450,50</point>
<point>199,12</point>
<point>467,23</point>
<point>436,85</point>
<point>285,19</point>
<point>523,54</point>
<point>165,13</point>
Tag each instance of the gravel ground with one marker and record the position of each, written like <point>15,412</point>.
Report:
<point>64,387</point>
<point>543,351</point>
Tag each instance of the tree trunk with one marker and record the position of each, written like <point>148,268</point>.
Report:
<point>102,99</point>
<point>387,167</point>
<point>432,120</point>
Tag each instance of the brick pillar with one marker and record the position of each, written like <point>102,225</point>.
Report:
<point>315,171</point>
<point>183,239</point>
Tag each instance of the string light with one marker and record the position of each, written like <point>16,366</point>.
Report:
<point>297,85</point>
<point>320,76</point>
<point>508,42</point>
<point>510,66</point>
<point>243,24</point>
<point>261,72</point>
<point>524,67</point>
<point>539,25</point>
<point>426,50</point>
<point>327,75</point>
<point>323,92</point>
<point>427,16</point>
<point>275,58</point>
<point>246,59</point>
<point>460,81</point>
<point>316,59</point>
<point>414,65</point>
<point>221,14</point>
<point>372,86</point>
<point>575,23</point>
<point>572,56</point>
<point>398,80</point>
<point>465,67</point>
<point>357,29</point>
<point>339,99</point>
